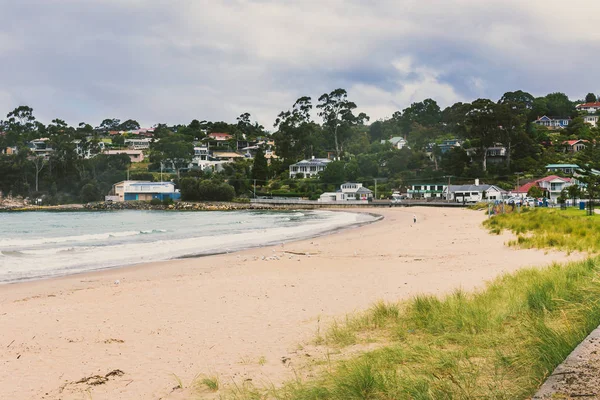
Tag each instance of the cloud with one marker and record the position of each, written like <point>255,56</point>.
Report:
<point>159,61</point>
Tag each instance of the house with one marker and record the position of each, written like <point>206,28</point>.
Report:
<point>134,155</point>
<point>573,146</point>
<point>589,107</point>
<point>496,154</point>
<point>219,137</point>
<point>552,122</point>
<point>308,168</point>
<point>426,191</point>
<point>349,191</point>
<point>591,119</point>
<point>551,186</point>
<point>202,153</point>
<point>138,143</point>
<point>41,147</point>
<point>474,193</point>
<point>229,156</point>
<point>143,190</point>
<point>445,146</point>
<point>397,141</point>
<point>567,169</point>
<point>9,150</point>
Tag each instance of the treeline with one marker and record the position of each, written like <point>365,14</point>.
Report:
<point>362,150</point>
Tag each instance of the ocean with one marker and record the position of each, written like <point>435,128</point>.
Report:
<point>36,245</point>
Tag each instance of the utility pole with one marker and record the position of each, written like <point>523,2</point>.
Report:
<point>448,193</point>
<point>255,188</point>
<point>161,169</point>
<point>518,175</point>
<point>375,188</point>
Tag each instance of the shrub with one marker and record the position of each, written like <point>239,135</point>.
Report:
<point>155,202</point>
<point>89,192</point>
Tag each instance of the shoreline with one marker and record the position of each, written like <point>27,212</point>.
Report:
<point>377,218</point>
<point>234,315</point>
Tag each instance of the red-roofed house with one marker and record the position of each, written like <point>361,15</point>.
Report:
<point>589,107</point>
<point>551,186</point>
<point>219,137</point>
<point>573,146</point>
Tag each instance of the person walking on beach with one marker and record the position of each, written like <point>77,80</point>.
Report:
<point>415,219</point>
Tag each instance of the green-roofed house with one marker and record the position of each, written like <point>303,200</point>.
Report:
<point>426,190</point>
<point>567,169</point>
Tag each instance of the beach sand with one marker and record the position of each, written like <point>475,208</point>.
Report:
<point>233,315</point>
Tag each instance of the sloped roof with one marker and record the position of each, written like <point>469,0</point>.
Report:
<point>363,189</point>
<point>562,166</point>
<point>594,104</point>
<point>474,188</point>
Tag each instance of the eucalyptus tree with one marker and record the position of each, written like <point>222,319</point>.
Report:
<point>297,134</point>
<point>338,116</point>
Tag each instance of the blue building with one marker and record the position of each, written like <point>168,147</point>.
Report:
<point>143,191</point>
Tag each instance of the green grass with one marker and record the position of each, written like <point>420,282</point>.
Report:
<point>570,230</point>
<point>499,343</point>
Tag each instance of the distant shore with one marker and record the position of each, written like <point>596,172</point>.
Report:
<point>241,316</point>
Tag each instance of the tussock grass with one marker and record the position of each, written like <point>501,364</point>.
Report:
<point>570,230</point>
<point>498,343</point>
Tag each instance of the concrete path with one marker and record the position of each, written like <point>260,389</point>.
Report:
<point>578,377</point>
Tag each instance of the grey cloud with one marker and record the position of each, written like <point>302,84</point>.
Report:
<point>165,61</point>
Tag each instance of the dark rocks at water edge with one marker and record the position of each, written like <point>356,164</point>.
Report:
<point>186,206</point>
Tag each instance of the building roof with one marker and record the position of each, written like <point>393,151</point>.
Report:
<point>363,189</point>
<point>552,178</point>
<point>525,188</point>
<point>474,188</point>
<point>562,166</point>
<point>572,142</point>
<point>219,135</point>
<point>227,154</point>
<point>313,161</point>
<point>594,104</point>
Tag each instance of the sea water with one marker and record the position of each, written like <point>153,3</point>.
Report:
<point>36,245</point>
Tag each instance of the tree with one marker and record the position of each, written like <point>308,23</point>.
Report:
<point>574,192</point>
<point>39,163</point>
<point>590,98</point>
<point>334,173</point>
<point>129,125</point>
<point>535,192</point>
<point>297,135</point>
<point>426,113</point>
<point>337,113</point>
<point>174,150</point>
<point>260,169</point>
<point>483,126</point>
<point>559,105</point>
<point>89,193</point>
<point>110,124</point>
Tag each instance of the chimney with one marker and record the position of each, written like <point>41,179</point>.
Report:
<point>312,157</point>
<point>477,182</point>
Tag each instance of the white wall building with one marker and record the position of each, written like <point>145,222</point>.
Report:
<point>309,168</point>
<point>349,191</point>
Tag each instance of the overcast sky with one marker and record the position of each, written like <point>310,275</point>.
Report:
<point>175,60</point>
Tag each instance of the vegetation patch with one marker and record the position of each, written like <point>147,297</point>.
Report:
<point>499,343</point>
<point>570,230</point>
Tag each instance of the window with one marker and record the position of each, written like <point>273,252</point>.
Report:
<point>440,188</point>
<point>416,187</point>
<point>474,193</point>
<point>555,186</point>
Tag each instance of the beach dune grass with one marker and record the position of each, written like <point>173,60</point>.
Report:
<point>570,230</point>
<point>497,343</point>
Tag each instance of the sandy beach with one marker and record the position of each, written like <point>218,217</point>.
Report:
<point>236,315</point>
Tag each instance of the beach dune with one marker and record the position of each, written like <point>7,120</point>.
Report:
<point>133,333</point>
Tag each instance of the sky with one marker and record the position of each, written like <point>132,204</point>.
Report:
<point>171,61</point>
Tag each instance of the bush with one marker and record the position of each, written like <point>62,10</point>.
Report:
<point>142,176</point>
<point>167,201</point>
<point>155,202</point>
<point>89,193</point>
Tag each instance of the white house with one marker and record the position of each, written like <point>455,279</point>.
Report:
<point>473,193</point>
<point>591,119</point>
<point>134,155</point>
<point>349,191</point>
<point>397,141</point>
<point>564,168</point>
<point>138,143</point>
<point>589,107</point>
<point>553,185</point>
<point>41,147</point>
<point>309,168</point>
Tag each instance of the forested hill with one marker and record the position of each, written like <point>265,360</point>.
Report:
<point>493,140</point>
